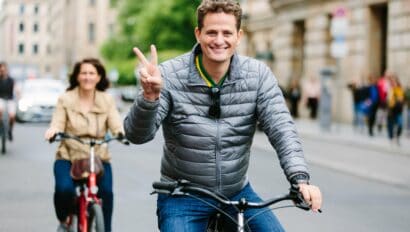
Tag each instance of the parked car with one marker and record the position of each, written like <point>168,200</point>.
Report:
<point>129,93</point>
<point>37,99</point>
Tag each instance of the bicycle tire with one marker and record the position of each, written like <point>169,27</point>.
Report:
<point>95,218</point>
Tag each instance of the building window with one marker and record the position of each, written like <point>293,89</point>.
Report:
<point>22,8</point>
<point>21,27</point>
<point>21,49</point>
<point>35,27</point>
<point>35,49</point>
<point>91,32</point>
<point>36,9</point>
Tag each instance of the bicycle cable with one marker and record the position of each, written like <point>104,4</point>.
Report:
<point>215,207</point>
<point>269,209</point>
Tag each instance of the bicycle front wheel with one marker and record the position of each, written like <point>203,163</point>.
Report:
<point>95,218</point>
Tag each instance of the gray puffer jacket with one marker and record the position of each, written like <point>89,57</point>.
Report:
<point>214,153</point>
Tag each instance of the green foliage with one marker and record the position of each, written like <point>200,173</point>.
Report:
<point>125,70</point>
<point>167,24</point>
<point>113,3</point>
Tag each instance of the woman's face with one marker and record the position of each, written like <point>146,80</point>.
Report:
<point>88,77</point>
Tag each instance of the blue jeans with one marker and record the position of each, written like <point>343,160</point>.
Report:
<point>64,194</point>
<point>184,213</point>
<point>394,125</point>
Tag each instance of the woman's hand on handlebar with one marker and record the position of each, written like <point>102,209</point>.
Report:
<point>50,132</point>
<point>312,196</point>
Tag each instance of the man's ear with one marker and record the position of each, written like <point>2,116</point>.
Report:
<point>240,32</point>
<point>197,34</point>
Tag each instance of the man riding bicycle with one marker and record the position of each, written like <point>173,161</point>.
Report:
<point>7,97</point>
<point>208,102</point>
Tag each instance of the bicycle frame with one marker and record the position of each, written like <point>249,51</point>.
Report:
<point>183,187</point>
<point>87,194</point>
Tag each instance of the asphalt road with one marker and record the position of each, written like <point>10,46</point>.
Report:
<point>351,202</point>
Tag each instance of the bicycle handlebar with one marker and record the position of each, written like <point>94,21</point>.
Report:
<point>92,142</point>
<point>184,187</point>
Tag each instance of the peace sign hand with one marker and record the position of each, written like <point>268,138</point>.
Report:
<point>150,76</point>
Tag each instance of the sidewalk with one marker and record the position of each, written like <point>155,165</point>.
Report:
<point>380,160</point>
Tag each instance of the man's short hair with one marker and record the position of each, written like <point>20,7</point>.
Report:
<point>217,6</point>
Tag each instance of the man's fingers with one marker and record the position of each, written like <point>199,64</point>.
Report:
<point>140,56</point>
<point>144,75</point>
<point>305,193</point>
<point>316,198</point>
<point>154,56</point>
<point>312,196</point>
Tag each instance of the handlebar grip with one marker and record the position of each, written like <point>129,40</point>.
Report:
<point>169,186</point>
<point>56,137</point>
<point>298,198</point>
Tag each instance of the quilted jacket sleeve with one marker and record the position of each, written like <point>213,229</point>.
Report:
<point>145,117</point>
<point>279,126</point>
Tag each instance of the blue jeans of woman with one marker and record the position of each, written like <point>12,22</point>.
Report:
<point>64,194</point>
<point>187,214</point>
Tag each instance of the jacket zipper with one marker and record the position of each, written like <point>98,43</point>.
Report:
<point>218,158</point>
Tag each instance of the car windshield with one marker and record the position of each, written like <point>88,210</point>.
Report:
<point>43,86</point>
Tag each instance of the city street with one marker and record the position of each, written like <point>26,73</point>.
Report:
<point>351,202</point>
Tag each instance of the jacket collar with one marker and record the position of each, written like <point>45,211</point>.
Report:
<point>195,78</point>
<point>74,99</point>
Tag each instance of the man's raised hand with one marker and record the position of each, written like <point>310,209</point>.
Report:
<point>150,76</point>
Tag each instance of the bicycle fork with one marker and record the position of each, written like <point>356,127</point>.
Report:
<point>89,194</point>
<point>82,213</point>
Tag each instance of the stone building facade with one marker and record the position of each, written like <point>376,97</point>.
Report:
<point>295,38</point>
<point>43,38</point>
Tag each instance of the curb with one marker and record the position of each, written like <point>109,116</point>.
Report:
<point>373,145</point>
<point>261,142</point>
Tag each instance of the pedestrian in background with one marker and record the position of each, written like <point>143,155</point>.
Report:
<point>359,95</point>
<point>407,105</point>
<point>87,111</point>
<point>395,102</point>
<point>294,95</point>
<point>383,87</point>
<point>311,93</point>
<point>370,103</point>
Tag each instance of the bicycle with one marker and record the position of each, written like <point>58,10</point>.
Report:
<point>88,215</point>
<point>4,126</point>
<point>215,224</point>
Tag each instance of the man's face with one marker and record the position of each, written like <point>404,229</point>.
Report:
<point>218,37</point>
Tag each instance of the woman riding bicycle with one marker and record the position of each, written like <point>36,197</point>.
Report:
<point>208,102</point>
<point>87,111</point>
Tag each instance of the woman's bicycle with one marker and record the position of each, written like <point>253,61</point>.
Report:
<point>216,223</point>
<point>88,215</point>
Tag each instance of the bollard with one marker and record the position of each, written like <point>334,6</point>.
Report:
<point>325,101</point>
